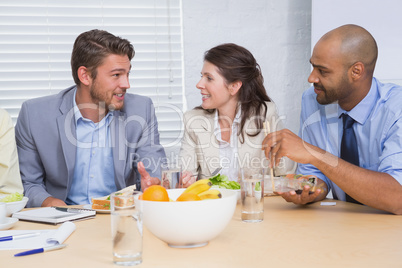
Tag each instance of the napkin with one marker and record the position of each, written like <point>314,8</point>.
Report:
<point>44,239</point>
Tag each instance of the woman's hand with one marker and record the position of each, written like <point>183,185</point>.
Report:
<point>187,178</point>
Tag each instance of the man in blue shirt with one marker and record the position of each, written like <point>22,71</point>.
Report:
<point>92,138</point>
<point>343,63</point>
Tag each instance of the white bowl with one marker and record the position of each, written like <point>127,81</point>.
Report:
<point>188,223</point>
<point>238,192</point>
<point>13,207</point>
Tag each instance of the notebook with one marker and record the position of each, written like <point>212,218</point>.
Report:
<point>53,216</point>
<point>43,238</point>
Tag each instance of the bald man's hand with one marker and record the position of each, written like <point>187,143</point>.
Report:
<point>146,179</point>
<point>301,199</point>
<point>285,143</point>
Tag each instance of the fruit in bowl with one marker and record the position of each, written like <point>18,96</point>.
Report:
<point>190,223</point>
<point>14,202</point>
<point>237,191</point>
<point>200,190</point>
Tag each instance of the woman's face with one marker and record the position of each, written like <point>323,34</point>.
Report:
<point>214,91</point>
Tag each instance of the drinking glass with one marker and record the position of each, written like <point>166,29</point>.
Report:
<point>252,196</point>
<point>171,175</point>
<point>126,228</point>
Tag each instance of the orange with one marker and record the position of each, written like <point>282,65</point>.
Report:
<point>188,197</point>
<point>155,193</point>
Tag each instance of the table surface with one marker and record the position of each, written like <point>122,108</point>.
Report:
<point>344,235</point>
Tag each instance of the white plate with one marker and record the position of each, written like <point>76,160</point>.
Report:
<point>8,224</point>
<point>105,211</point>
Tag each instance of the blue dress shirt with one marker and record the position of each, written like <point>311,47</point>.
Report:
<point>94,168</point>
<point>378,130</point>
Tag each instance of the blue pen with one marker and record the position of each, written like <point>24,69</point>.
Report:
<point>14,237</point>
<point>39,250</point>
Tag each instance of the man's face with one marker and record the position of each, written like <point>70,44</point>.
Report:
<point>111,82</point>
<point>329,75</point>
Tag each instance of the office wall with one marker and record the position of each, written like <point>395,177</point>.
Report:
<point>381,18</point>
<point>277,32</point>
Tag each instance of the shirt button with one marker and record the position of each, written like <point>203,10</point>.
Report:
<point>93,152</point>
<point>92,176</point>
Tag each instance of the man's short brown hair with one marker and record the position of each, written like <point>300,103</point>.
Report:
<point>92,47</point>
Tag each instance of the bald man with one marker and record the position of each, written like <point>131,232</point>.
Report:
<point>343,63</point>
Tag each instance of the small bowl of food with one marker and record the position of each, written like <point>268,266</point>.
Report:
<point>271,186</point>
<point>14,202</point>
<point>290,182</point>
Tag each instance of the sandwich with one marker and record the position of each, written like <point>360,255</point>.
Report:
<point>103,203</point>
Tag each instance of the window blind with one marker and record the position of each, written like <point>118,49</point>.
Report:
<point>36,39</point>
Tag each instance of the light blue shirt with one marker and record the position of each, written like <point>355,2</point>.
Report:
<point>94,168</point>
<point>378,130</point>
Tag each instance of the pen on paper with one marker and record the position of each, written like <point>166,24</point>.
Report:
<point>20,236</point>
<point>40,250</point>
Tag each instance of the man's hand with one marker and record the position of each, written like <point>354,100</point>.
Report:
<point>53,202</point>
<point>146,179</point>
<point>285,143</point>
<point>303,198</point>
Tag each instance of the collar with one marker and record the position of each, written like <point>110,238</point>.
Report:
<point>217,128</point>
<point>236,120</point>
<point>361,112</point>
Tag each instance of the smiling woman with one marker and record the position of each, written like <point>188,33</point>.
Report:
<point>37,38</point>
<point>226,130</point>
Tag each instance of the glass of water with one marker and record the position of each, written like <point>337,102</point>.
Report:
<point>171,175</point>
<point>126,228</point>
<point>252,197</point>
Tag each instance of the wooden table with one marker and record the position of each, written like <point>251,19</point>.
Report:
<point>345,235</point>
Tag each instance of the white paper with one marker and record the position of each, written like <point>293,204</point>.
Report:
<point>328,203</point>
<point>64,231</point>
<point>46,237</point>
